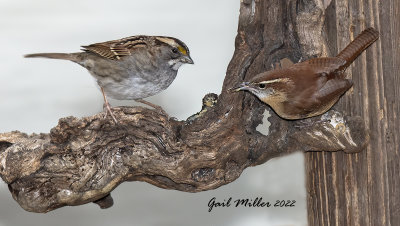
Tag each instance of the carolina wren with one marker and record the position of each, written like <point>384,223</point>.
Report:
<point>312,87</point>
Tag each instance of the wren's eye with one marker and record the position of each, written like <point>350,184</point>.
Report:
<point>261,86</point>
<point>175,50</point>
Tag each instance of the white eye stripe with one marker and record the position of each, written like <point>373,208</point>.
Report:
<point>275,80</point>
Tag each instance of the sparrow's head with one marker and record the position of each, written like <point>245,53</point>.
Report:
<point>175,51</point>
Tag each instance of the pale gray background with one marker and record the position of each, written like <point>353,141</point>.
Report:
<point>35,93</point>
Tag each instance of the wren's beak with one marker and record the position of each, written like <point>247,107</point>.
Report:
<point>243,86</point>
<point>187,59</point>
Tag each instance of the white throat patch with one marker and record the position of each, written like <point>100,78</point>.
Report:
<point>175,64</point>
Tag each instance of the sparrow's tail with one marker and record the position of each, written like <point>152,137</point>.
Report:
<point>358,45</point>
<point>62,56</point>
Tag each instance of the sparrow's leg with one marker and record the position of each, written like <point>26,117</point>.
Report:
<point>107,106</point>
<point>158,108</point>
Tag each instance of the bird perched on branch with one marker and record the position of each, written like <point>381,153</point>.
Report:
<point>312,87</point>
<point>130,68</point>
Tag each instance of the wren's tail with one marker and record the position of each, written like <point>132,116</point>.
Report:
<point>61,56</point>
<point>358,45</point>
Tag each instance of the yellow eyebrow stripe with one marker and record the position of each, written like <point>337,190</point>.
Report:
<point>182,50</point>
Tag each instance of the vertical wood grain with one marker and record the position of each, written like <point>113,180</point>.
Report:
<point>364,188</point>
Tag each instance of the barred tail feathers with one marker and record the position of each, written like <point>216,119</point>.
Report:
<point>358,45</point>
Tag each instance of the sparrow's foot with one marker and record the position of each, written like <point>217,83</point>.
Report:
<point>158,108</point>
<point>107,107</point>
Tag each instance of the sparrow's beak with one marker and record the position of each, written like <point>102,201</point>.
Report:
<point>243,86</point>
<point>187,59</point>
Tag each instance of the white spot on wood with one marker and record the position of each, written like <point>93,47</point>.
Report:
<point>263,128</point>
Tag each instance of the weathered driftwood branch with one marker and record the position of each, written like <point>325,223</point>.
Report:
<point>83,160</point>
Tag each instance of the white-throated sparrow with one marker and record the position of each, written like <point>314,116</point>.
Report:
<point>131,68</point>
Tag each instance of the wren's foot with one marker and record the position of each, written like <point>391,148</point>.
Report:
<point>158,108</point>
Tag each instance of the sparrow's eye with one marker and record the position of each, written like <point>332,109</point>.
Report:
<point>175,50</point>
<point>261,86</point>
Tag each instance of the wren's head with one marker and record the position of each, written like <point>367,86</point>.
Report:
<point>267,90</point>
<point>174,51</point>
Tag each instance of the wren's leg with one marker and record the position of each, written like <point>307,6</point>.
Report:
<point>107,106</point>
<point>158,108</point>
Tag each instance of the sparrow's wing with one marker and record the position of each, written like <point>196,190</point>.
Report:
<point>117,49</point>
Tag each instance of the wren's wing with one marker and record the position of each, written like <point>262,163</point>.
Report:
<point>333,88</point>
<point>313,102</point>
<point>117,49</point>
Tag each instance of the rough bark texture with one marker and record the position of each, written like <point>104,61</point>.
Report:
<point>363,188</point>
<point>83,160</point>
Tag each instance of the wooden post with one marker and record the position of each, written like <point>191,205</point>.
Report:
<point>362,188</point>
